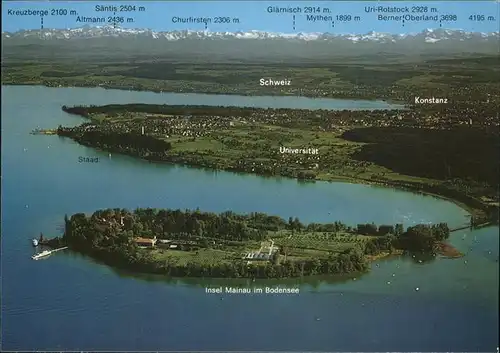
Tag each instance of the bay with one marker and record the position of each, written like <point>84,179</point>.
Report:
<point>69,302</point>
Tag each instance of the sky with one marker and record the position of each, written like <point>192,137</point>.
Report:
<point>253,15</point>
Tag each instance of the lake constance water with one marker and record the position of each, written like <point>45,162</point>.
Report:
<point>68,302</point>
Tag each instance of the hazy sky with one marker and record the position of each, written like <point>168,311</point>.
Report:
<point>253,15</point>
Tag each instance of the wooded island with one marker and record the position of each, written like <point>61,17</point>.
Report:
<point>228,245</point>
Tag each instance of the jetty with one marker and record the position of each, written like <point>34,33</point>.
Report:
<point>47,253</point>
<point>44,132</point>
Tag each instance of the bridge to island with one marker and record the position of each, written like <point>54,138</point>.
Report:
<point>470,226</point>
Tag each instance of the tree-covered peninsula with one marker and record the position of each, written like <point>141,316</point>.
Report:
<point>228,245</point>
<point>397,148</point>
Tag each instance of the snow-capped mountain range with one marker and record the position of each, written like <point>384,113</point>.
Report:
<point>427,36</point>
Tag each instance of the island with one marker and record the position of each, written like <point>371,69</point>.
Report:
<point>192,243</point>
<point>420,149</point>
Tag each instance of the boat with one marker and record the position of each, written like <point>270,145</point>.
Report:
<point>41,254</point>
<point>35,242</point>
<point>47,253</point>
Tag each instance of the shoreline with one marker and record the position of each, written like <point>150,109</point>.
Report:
<point>385,255</point>
<point>471,210</point>
<point>361,181</point>
<point>399,104</point>
<point>446,251</point>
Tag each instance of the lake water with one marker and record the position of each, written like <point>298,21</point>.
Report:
<point>68,302</point>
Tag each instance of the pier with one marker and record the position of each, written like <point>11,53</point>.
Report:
<point>44,132</point>
<point>55,250</point>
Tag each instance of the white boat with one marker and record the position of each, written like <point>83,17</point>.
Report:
<point>35,242</point>
<point>41,254</point>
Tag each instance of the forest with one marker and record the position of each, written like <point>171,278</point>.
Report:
<point>194,110</point>
<point>460,152</point>
<point>211,245</point>
<point>116,141</point>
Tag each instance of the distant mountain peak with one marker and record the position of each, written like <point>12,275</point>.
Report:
<point>428,35</point>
